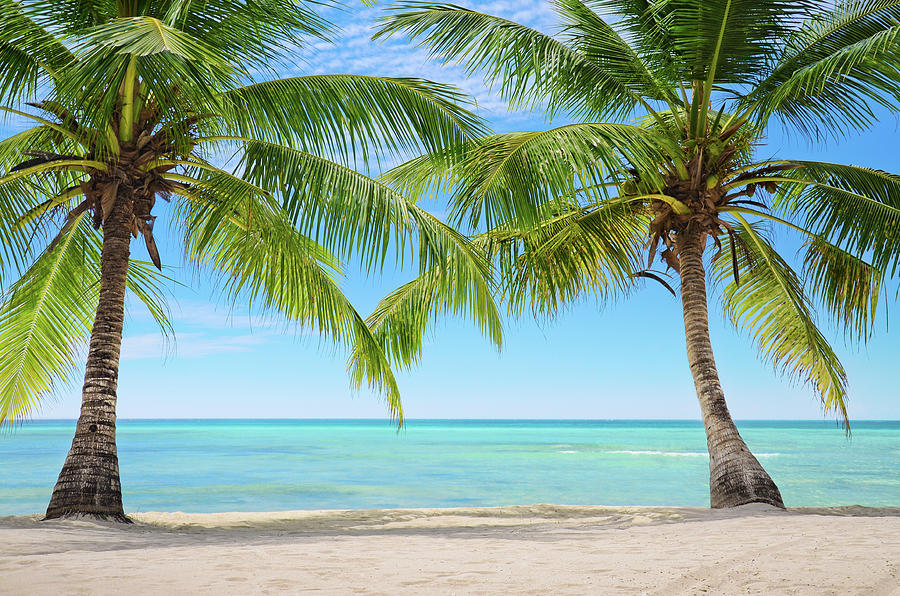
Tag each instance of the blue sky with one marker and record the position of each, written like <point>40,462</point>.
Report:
<point>625,360</point>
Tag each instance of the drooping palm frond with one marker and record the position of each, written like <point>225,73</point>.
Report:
<point>770,305</point>
<point>856,208</point>
<point>45,316</point>
<point>848,286</point>
<point>402,318</point>
<point>845,284</point>
<point>148,284</point>
<point>349,213</point>
<point>261,258</point>
<point>575,253</point>
<point>358,217</point>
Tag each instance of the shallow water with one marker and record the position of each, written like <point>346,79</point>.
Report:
<point>272,465</point>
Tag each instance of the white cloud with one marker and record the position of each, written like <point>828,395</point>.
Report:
<point>203,329</point>
<point>187,345</point>
<point>353,51</point>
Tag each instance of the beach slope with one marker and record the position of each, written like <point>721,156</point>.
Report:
<point>540,549</point>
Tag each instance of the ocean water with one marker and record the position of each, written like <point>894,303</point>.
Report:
<point>272,465</point>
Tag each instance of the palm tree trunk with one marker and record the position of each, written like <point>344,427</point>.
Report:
<point>735,475</point>
<point>89,481</point>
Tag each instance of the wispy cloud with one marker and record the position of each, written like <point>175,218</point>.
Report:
<point>209,316</point>
<point>203,329</point>
<point>354,52</point>
<point>188,345</point>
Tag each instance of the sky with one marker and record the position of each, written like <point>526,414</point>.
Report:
<point>623,360</point>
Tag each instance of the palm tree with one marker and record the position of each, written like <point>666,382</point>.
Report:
<point>668,101</point>
<point>135,100</point>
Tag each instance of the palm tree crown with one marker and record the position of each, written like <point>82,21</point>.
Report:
<point>669,100</point>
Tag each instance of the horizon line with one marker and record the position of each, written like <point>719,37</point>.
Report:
<point>388,419</point>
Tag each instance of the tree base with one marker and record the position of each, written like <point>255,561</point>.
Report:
<point>88,483</point>
<point>737,478</point>
<point>114,517</point>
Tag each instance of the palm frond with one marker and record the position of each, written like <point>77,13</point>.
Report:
<point>402,318</point>
<point>349,213</point>
<point>29,54</point>
<point>261,258</point>
<point>259,34</point>
<point>847,285</point>
<point>770,305</point>
<point>159,55</point>
<point>598,41</point>
<point>856,208</point>
<point>726,41</point>
<point>353,116</point>
<point>45,317</point>
<point>575,253</point>
<point>148,285</point>
<point>834,68</point>
<point>527,67</point>
<point>505,177</point>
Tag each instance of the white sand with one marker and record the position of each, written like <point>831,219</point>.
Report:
<point>541,549</point>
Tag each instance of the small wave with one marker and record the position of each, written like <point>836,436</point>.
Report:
<point>567,451</point>
<point>679,453</point>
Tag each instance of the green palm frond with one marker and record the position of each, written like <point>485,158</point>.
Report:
<point>505,177</point>
<point>260,257</point>
<point>148,284</point>
<point>353,115</point>
<point>349,213</point>
<point>402,318</point>
<point>44,319</point>
<point>47,316</point>
<point>834,67</point>
<point>705,35</point>
<point>847,285</point>
<point>259,34</point>
<point>575,253</point>
<point>770,305</point>
<point>145,36</point>
<point>598,41</point>
<point>29,55</point>
<point>143,49</point>
<point>856,208</point>
<point>527,67</point>
<point>356,216</point>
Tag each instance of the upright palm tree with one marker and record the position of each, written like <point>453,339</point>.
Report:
<point>134,100</point>
<point>691,87</point>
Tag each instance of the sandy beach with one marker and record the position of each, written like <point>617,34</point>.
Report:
<point>540,549</point>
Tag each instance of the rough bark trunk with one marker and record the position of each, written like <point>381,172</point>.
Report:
<point>89,481</point>
<point>735,475</point>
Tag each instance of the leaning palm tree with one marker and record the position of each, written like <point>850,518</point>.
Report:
<point>132,101</point>
<point>669,101</point>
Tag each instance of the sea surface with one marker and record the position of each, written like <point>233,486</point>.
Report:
<point>273,465</point>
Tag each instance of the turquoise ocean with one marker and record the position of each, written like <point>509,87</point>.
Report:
<point>272,465</point>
